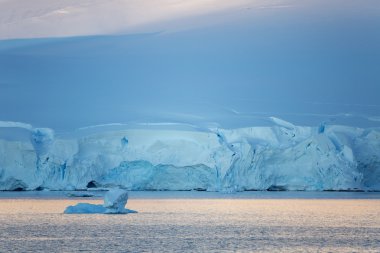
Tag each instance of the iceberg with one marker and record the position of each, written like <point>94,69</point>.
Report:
<point>278,157</point>
<point>85,208</point>
<point>114,203</point>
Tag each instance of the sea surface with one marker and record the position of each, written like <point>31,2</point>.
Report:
<point>194,222</point>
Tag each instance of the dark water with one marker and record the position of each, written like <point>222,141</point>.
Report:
<point>194,224</point>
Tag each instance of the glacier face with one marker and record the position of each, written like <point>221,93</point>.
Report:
<point>279,157</point>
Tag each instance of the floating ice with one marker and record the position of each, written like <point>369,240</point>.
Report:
<point>85,208</point>
<point>80,195</point>
<point>114,203</point>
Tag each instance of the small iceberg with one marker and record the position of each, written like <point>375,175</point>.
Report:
<point>79,195</point>
<point>85,208</point>
<point>114,203</point>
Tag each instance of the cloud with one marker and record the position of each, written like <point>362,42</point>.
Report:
<point>374,118</point>
<point>60,18</point>
<point>15,124</point>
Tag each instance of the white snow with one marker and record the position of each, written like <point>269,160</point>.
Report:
<point>42,139</point>
<point>282,123</point>
<point>256,158</point>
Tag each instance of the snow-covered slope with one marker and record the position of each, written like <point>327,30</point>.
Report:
<point>280,157</point>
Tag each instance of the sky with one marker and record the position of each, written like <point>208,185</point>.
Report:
<point>70,64</point>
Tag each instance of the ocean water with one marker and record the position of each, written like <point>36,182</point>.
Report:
<point>194,222</point>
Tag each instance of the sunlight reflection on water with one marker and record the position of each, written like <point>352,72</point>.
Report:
<point>195,225</point>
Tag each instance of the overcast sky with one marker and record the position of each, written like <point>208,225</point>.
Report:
<point>67,65</point>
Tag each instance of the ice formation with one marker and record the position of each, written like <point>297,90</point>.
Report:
<point>278,157</point>
<point>85,208</point>
<point>114,203</point>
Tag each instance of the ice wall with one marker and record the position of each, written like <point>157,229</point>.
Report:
<point>280,157</point>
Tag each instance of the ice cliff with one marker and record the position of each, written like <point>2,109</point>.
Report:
<point>278,157</point>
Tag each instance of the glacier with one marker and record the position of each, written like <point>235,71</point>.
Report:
<point>279,157</point>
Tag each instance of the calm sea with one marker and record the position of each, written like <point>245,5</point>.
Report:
<point>195,222</point>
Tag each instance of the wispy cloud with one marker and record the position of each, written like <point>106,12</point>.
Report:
<point>59,18</point>
<point>16,125</point>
